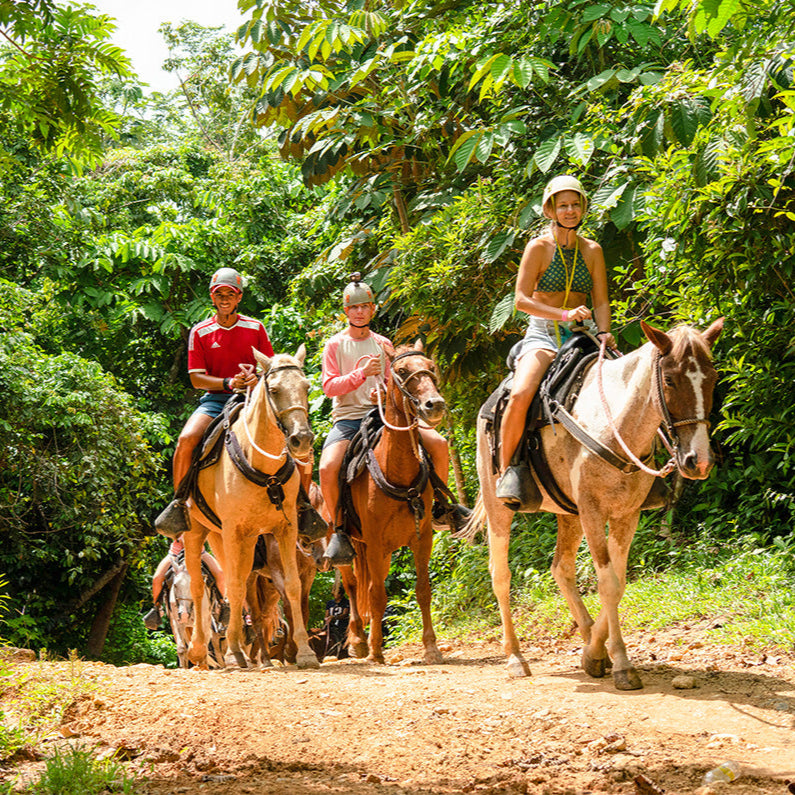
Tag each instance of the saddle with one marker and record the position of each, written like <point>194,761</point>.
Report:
<point>559,388</point>
<point>219,435</point>
<point>360,455</point>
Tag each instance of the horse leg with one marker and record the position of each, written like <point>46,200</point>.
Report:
<point>379,568</point>
<point>609,555</point>
<point>422,556</point>
<point>238,558</point>
<point>194,543</point>
<point>287,540</point>
<point>357,642</point>
<point>564,572</point>
<point>499,538</point>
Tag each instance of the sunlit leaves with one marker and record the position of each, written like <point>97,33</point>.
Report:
<point>502,313</point>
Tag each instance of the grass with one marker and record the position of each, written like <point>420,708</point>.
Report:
<point>34,703</point>
<point>76,771</point>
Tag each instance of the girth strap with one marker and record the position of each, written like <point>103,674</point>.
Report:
<point>411,494</point>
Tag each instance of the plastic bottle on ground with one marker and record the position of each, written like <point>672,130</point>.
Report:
<point>725,771</point>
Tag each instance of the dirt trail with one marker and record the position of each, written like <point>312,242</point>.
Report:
<point>460,727</point>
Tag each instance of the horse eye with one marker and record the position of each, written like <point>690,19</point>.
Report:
<point>669,381</point>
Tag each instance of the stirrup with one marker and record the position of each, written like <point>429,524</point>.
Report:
<point>452,514</point>
<point>173,521</point>
<point>152,618</point>
<point>659,495</point>
<point>517,489</point>
<point>340,551</point>
<point>311,525</point>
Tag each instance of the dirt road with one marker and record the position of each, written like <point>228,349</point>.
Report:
<point>461,727</point>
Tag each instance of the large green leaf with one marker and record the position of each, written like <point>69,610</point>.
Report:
<point>684,120</point>
<point>547,153</point>
<point>579,148</point>
<point>628,208</point>
<point>498,244</point>
<point>501,313</point>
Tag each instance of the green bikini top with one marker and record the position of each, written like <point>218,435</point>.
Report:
<point>558,273</point>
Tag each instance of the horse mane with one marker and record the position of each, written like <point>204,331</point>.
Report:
<point>685,338</point>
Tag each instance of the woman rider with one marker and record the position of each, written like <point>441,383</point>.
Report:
<point>558,271</point>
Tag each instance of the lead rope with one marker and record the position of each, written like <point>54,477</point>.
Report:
<point>669,466</point>
<point>248,433</point>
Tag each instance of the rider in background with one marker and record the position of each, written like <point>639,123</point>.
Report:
<point>354,365</point>
<point>559,270</point>
<point>152,618</point>
<point>220,361</point>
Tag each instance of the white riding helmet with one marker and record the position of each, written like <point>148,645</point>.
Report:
<point>357,292</point>
<point>226,277</point>
<point>558,185</point>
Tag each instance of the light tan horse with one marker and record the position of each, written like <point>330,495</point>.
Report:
<point>388,522</point>
<point>270,430</point>
<point>672,374</point>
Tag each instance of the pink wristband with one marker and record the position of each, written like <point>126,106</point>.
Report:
<point>565,315</point>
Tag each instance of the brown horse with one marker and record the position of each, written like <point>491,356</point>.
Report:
<point>253,489</point>
<point>391,522</point>
<point>667,381</point>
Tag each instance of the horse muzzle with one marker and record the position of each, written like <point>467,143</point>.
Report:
<point>300,441</point>
<point>432,410</point>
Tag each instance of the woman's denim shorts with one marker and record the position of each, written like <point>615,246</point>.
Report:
<point>540,335</point>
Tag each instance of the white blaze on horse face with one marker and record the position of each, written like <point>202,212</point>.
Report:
<point>699,442</point>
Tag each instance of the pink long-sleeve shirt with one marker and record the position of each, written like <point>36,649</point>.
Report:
<point>343,379</point>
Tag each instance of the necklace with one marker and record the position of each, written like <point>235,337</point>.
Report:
<point>569,276</point>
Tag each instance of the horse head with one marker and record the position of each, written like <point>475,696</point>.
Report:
<point>287,390</point>
<point>685,380</point>
<point>414,375</point>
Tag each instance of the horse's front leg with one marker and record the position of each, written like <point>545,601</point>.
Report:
<point>357,642</point>
<point>238,556</point>
<point>609,555</point>
<point>422,556</point>
<point>499,537</point>
<point>287,540</point>
<point>379,568</point>
<point>564,572</point>
<point>194,544</point>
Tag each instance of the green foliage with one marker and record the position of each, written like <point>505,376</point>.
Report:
<point>129,642</point>
<point>76,771</point>
<point>50,64</point>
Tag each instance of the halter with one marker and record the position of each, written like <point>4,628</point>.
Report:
<point>276,413</point>
<point>658,398</point>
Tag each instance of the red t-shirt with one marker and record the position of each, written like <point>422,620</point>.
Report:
<point>220,351</point>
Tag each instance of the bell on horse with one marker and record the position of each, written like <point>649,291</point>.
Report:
<point>621,405</point>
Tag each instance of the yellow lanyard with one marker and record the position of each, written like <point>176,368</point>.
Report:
<point>569,277</point>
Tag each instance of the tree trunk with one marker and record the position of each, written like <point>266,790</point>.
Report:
<point>99,629</point>
<point>458,475</point>
<point>106,577</point>
<point>400,205</point>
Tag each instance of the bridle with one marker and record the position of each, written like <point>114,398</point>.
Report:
<point>671,441</point>
<point>411,404</point>
<point>278,414</point>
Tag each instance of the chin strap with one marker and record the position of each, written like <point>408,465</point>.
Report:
<point>366,325</point>
<point>558,223</point>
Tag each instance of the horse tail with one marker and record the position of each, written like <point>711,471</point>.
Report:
<point>363,577</point>
<point>476,522</point>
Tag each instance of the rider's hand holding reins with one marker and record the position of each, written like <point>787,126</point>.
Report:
<point>371,365</point>
<point>247,377</point>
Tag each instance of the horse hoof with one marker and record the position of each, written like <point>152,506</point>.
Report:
<point>433,657</point>
<point>594,666</point>
<point>235,659</point>
<point>378,659</point>
<point>358,650</point>
<point>627,679</point>
<point>307,661</point>
<point>517,667</point>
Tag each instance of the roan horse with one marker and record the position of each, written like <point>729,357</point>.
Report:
<point>389,522</point>
<point>668,380</point>
<point>271,429</point>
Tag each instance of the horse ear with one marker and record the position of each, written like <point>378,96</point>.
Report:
<point>657,336</point>
<point>300,354</point>
<point>418,346</point>
<point>263,360</point>
<point>713,332</point>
